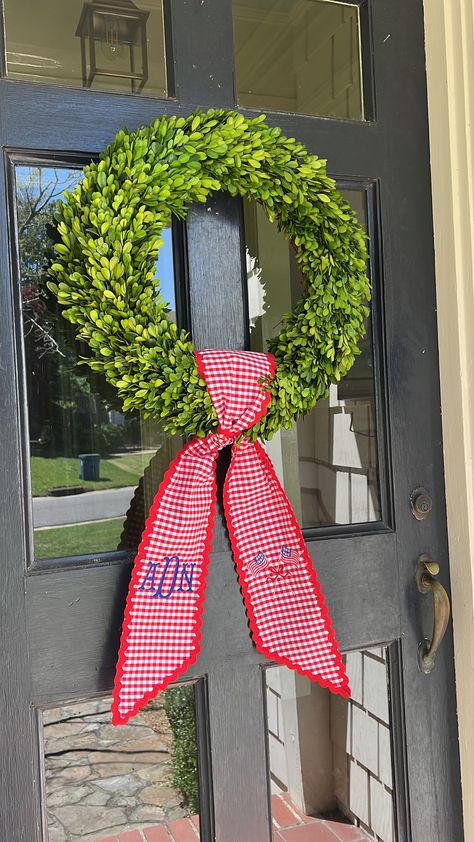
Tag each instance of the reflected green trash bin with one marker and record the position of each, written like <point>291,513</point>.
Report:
<point>89,466</point>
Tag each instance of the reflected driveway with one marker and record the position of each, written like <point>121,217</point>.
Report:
<point>77,508</point>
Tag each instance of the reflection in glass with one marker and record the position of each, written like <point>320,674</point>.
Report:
<point>102,780</point>
<point>86,456</point>
<point>111,45</point>
<point>328,460</point>
<point>330,758</point>
<point>298,56</point>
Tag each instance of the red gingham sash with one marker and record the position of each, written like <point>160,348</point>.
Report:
<point>286,610</point>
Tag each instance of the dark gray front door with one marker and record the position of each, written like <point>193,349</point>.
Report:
<point>387,763</point>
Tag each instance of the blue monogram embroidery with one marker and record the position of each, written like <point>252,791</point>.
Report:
<point>164,591</point>
<point>159,590</point>
<point>150,577</point>
<point>187,576</point>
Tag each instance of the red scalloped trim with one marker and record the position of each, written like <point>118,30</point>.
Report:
<point>200,364</point>
<point>268,395</point>
<point>117,718</point>
<point>343,689</point>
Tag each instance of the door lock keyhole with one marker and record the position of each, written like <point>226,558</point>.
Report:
<point>421,503</point>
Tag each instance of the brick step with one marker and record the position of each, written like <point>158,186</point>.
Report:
<point>289,823</point>
<point>181,830</point>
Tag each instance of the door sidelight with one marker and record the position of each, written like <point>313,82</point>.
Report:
<point>426,571</point>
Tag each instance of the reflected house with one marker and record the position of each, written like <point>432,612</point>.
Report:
<point>328,461</point>
<point>116,417</point>
<point>330,757</point>
<point>339,484</point>
<point>255,289</point>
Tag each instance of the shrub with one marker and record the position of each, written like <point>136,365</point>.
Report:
<point>180,710</point>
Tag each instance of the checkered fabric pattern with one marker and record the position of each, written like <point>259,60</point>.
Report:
<point>288,618</point>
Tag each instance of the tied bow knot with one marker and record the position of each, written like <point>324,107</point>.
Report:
<point>161,629</point>
<point>278,570</point>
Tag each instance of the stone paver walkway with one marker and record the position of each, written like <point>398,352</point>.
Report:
<point>103,781</point>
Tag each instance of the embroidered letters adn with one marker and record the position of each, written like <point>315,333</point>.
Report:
<point>162,579</point>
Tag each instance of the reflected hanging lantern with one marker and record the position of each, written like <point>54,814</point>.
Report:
<point>113,42</point>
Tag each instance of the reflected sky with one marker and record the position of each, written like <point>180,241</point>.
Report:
<point>66,178</point>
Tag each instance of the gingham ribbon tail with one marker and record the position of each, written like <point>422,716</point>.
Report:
<point>286,610</point>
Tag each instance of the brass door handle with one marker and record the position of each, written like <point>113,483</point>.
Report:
<point>426,571</point>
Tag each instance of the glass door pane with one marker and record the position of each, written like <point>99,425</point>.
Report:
<point>328,460</point>
<point>122,784</point>
<point>109,45</point>
<point>86,456</point>
<point>330,758</point>
<point>299,56</point>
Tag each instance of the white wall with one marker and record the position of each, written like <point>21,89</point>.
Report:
<point>449,31</point>
<point>333,755</point>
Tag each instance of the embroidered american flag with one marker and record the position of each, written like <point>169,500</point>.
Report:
<point>258,563</point>
<point>289,556</point>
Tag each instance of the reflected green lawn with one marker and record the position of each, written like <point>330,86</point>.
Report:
<point>79,539</point>
<point>115,472</point>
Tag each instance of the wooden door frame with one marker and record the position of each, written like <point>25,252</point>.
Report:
<point>33,672</point>
<point>449,63</point>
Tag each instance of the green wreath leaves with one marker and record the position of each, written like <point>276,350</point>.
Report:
<point>110,227</point>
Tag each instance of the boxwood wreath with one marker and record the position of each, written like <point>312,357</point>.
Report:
<point>110,229</point>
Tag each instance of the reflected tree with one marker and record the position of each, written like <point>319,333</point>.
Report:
<point>69,411</point>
